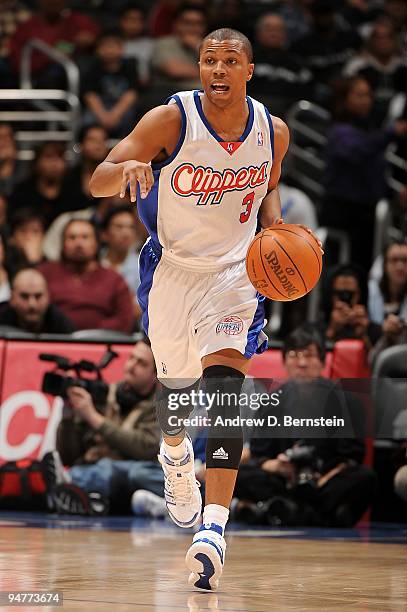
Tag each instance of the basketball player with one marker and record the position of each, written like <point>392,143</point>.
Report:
<point>204,168</point>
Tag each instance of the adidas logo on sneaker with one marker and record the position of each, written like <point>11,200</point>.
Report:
<point>220,454</point>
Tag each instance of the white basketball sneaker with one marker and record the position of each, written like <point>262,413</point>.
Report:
<point>181,489</point>
<point>206,556</point>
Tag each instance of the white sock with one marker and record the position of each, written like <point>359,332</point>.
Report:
<point>175,452</point>
<point>214,513</point>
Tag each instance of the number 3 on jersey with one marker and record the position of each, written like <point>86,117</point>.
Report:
<point>248,202</point>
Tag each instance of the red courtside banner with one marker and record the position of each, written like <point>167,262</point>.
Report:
<point>29,418</point>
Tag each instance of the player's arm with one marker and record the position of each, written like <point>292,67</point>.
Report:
<point>270,209</point>
<point>154,138</point>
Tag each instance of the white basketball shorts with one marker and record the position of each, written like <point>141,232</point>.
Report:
<point>188,314</point>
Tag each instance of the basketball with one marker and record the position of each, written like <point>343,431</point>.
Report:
<point>284,262</point>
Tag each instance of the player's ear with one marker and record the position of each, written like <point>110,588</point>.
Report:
<point>250,70</point>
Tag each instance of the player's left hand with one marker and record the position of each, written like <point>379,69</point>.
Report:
<point>309,230</point>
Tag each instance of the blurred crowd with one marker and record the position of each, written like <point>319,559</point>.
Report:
<point>348,57</point>
<point>69,261</point>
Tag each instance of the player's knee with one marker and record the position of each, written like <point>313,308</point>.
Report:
<point>173,407</point>
<point>225,437</point>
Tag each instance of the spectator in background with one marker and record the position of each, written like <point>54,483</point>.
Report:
<point>91,296</point>
<point>229,14</point>
<point>11,170</point>
<point>26,239</point>
<point>4,275</point>
<point>162,16</point>
<point>306,479</point>
<point>95,214</point>
<point>381,65</point>
<point>43,189</point>
<point>136,45</point>
<point>175,57</point>
<point>110,87</point>
<point>279,77</point>
<point>119,253</point>
<point>297,17</point>
<point>327,47</point>
<point>3,211</point>
<point>389,295</point>
<point>12,14</point>
<point>93,149</point>
<point>111,448</point>
<point>29,308</point>
<point>69,32</point>
<point>399,210</point>
<point>359,15</point>
<point>345,309</point>
<point>388,298</point>
<point>396,11</point>
<point>355,172</point>
<point>296,207</point>
<point>400,482</point>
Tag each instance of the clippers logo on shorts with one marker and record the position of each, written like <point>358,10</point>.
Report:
<point>230,326</point>
<point>209,184</point>
<point>220,454</point>
<point>281,274</point>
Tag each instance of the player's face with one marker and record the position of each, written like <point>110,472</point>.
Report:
<point>224,70</point>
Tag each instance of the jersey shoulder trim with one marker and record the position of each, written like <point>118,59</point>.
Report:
<point>177,100</point>
<point>271,128</point>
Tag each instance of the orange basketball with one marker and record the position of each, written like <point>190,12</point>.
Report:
<point>284,262</point>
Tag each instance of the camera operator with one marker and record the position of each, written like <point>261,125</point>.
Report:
<point>312,481</point>
<point>109,449</point>
<point>346,314</point>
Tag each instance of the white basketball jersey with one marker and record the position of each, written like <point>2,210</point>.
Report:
<point>203,207</point>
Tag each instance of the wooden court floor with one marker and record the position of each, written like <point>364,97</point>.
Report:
<point>144,570</point>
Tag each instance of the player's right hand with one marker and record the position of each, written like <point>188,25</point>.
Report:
<point>136,172</point>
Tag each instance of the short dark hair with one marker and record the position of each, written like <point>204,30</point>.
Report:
<point>144,339</point>
<point>25,215</point>
<point>230,34</point>
<point>55,147</point>
<point>187,6</point>
<point>111,32</point>
<point>83,132</point>
<point>132,6</point>
<point>303,336</point>
<point>4,124</point>
<point>346,269</point>
<point>341,88</point>
<point>78,220</point>
<point>117,210</point>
